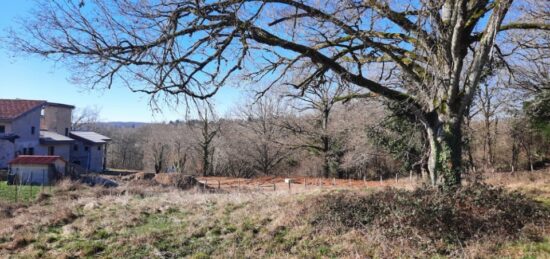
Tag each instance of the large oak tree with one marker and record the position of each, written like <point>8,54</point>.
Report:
<point>428,55</point>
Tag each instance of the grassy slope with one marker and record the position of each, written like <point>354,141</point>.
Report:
<point>190,224</point>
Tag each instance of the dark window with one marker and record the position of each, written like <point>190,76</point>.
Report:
<point>31,151</point>
<point>98,147</point>
<point>75,148</point>
<point>86,148</point>
<point>32,130</point>
<point>24,151</point>
<point>51,150</point>
<point>66,131</point>
<point>2,129</point>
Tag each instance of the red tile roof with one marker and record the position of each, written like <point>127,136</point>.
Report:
<point>35,160</point>
<point>12,109</point>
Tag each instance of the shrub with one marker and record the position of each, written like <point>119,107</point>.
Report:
<point>429,216</point>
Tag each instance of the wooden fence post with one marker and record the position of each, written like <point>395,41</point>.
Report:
<point>219,184</point>
<point>305,183</point>
<point>333,181</point>
<point>289,183</point>
<point>43,179</point>
<point>30,189</point>
<point>15,186</point>
<point>274,187</point>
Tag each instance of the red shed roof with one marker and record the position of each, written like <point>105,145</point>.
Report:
<point>35,160</point>
<point>11,109</point>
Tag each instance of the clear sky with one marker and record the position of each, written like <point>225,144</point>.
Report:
<point>31,77</point>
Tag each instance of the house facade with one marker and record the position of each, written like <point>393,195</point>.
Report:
<point>41,128</point>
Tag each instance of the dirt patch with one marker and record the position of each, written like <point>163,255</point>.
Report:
<point>139,176</point>
<point>184,182</point>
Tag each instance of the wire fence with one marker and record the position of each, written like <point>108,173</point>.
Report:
<point>25,187</point>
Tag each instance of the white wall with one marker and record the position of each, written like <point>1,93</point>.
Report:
<point>21,127</point>
<point>62,150</point>
<point>91,159</point>
<point>6,153</point>
<point>35,174</point>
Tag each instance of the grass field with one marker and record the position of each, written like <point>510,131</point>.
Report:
<point>141,220</point>
<point>23,193</point>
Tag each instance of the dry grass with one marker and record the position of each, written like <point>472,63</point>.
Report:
<point>138,219</point>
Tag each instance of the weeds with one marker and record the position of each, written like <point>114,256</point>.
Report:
<point>442,221</point>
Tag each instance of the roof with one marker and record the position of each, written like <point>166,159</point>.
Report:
<point>11,109</point>
<point>60,105</point>
<point>90,136</point>
<point>35,160</point>
<point>53,137</point>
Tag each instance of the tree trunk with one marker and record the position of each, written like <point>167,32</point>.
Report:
<point>445,157</point>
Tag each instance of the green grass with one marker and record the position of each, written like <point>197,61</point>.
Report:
<point>25,193</point>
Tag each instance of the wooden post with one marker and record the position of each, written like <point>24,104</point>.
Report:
<point>30,189</point>
<point>15,186</point>
<point>274,187</point>
<point>219,185</point>
<point>43,179</point>
<point>289,182</point>
<point>410,176</point>
<point>305,183</point>
<point>380,179</point>
<point>349,181</point>
<point>205,183</point>
<point>396,180</point>
<point>333,181</point>
<point>365,180</point>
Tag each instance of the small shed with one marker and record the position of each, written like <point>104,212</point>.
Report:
<point>36,170</point>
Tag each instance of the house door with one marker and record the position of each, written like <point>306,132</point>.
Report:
<point>51,151</point>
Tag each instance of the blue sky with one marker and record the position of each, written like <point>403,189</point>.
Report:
<point>31,77</point>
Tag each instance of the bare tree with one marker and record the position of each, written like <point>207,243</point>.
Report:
<point>428,55</point>
<point>180,155</point>
<point>159,152</point>
<point>319,135</point>
<point>264,136</point>
<point>208,128</point>
<point>86,118</point>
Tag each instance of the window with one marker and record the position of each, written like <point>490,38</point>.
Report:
<point>2,129</point>
<point>31,151</point>
<point>32,130</point>
<point>75,147</point>
<point>86,148</point>
<point>66,131</point>
<point>98,147</point>
<point>51,150</point>
<point>24,151</point>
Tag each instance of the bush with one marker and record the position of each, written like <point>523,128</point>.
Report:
<point>431,216</point>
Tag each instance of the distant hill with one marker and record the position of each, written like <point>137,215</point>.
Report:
<point>124,124</point>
